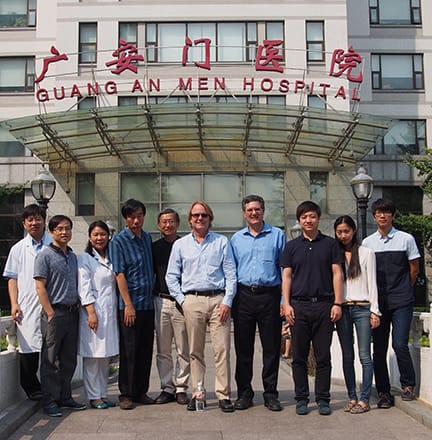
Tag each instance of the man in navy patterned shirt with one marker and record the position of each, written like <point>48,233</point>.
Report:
<point>131,254</point>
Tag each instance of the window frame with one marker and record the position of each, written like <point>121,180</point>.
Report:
<point>420,141</point>
<point>28,75</point>
<point>377,77</point>
<point>87,209</point>
<point>249,45</point>
<point>310,42</point>
<point>376,20</point>
<point>87,48</point>
<point>30,16</point>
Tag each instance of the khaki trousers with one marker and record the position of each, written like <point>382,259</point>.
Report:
<point>200,311</point>
<point>169,326</point>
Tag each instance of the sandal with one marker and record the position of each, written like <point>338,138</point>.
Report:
<point>350,405</point>
<point>360,408</point>
<point>98,405</point>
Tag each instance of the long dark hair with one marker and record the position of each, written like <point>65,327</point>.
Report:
<point>354,269</point>
<point>100,224</point>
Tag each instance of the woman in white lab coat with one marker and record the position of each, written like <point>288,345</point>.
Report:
<point>99,339</point>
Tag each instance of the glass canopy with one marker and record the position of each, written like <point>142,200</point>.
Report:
<point>81,135</point>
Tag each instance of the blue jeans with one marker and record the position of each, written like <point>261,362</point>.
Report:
<point>358,317</point>
<point>400,320</point>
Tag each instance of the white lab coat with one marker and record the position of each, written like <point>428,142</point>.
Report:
<point>97,284</point>
<point>20,266</point>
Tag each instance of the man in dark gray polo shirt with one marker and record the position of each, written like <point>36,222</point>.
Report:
<point>56,275</point>
<point>312,290</point>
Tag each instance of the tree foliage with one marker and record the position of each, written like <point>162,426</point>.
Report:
<point>6,192</point>
<point>419,225</point>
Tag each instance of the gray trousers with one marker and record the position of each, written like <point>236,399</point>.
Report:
<point>58,355</point>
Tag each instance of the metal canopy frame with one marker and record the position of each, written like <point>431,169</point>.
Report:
<point>78,135</point>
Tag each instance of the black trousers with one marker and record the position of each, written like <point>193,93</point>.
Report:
<point>250,310</point>
<point>312,325</point>
<point>136,351</point>
<point>29,365</point>
<point>58,355</point>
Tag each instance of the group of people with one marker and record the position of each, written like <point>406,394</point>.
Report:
<point>120,292</point>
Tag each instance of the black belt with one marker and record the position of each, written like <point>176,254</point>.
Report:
<point>165,296</point>
<point>67,307</point>
<point>256,289</point>
<point>205,292</point>
<point>313,299</point>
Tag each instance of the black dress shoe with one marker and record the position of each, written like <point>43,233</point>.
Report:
<point>165,397</point>
<point>273,405</point>
<point>226,405</point>
<point>182,398</point>
<point>243,403</point>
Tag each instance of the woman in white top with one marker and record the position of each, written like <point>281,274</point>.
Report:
<point>99,339</point>
<point>360,311</point>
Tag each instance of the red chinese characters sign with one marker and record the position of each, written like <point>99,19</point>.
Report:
<point>269,57</point>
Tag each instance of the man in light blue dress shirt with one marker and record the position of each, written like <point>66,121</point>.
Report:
<point>201,277</point>
<point>257,249</point>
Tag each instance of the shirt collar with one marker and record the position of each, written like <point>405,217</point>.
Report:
<point>265,230</point>
<point>389,236</point>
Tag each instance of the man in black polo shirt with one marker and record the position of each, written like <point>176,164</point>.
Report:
<point>312,289</point>
<point>169,320</point>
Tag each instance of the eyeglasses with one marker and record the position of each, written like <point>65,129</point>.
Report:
<point>380,213</point>
<point>199,215</point>
<point>65,229</point>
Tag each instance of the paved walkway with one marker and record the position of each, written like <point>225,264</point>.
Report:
<point>173,422</point>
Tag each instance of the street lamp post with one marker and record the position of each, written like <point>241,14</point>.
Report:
<point>43,187</point>
<point>362,187</point>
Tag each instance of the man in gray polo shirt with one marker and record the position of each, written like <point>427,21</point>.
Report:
<point>56,275</point>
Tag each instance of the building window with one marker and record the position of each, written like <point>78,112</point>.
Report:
<point>223,192</point>
<point>318,188</point>
<point>406,136</point>
<point>315,49</point>
<point>129,33</point>
<point>127,100</point>
<point>9,146</point>
<point>230,41</point>
<point>87,43</point>
<point>85,186</point>
<point>87,103</point>
<point>397,72</point>
<point>18,13</point>
<point>394,12</point>
<point>17,74</point>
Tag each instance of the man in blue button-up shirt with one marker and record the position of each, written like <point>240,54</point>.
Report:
<point>131,254</point>
<point>257,249</point>
<point>201,277</point>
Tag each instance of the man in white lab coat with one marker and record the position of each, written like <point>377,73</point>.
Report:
<point>25,305</point>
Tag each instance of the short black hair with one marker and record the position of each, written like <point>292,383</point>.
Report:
<point>385,205</point>
<point>130,206</point>
<point>33,210</point>
<point>169,211</point>
<point>56,220</point>
<point>307,206</point>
